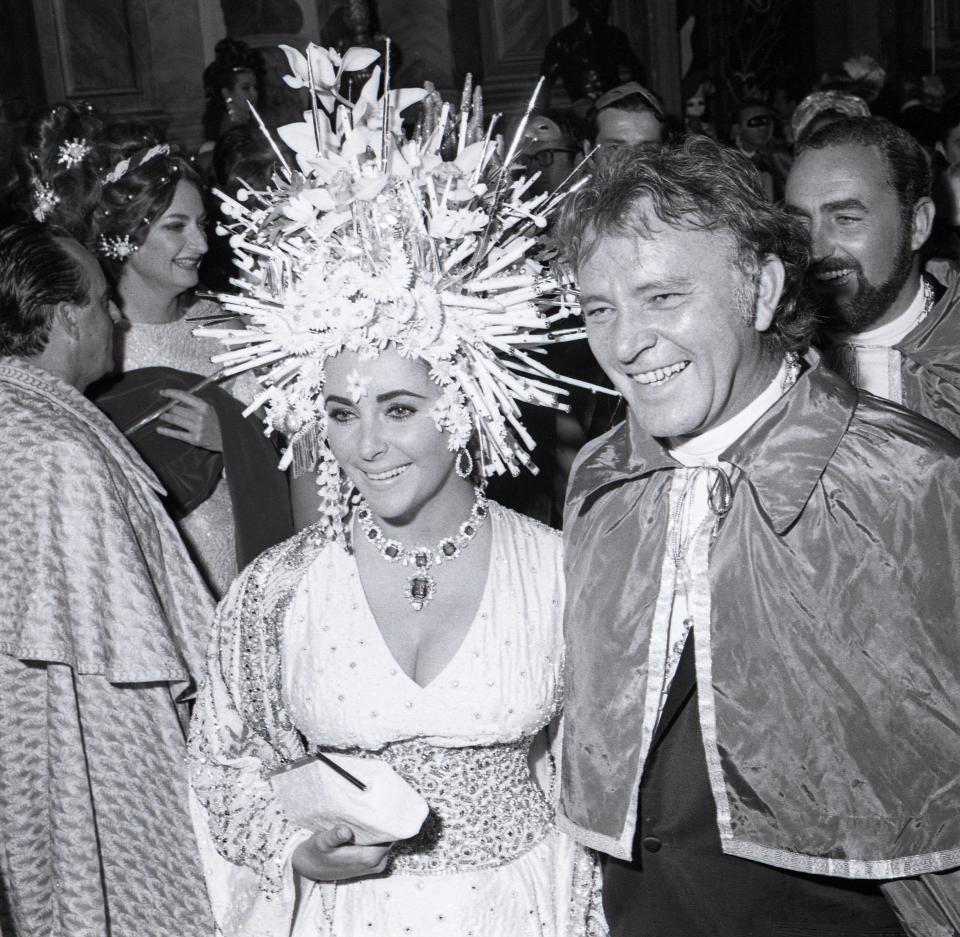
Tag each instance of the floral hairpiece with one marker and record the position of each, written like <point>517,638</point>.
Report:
<point>73,152</point>
<point>117,248</point>
<point>374,240</point>
<point>44,198</point>
<point>135,161</point>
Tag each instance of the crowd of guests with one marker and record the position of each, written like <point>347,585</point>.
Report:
<point>753,644</point>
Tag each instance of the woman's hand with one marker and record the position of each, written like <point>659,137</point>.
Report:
<point>193,421</point>
<point>330,856</point>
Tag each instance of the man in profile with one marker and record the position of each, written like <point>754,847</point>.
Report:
<point>103,621</point>
<point>861,186</point>
<point>762,707</point>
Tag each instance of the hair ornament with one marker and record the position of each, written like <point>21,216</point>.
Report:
<point>135,161</point>
<point>44,198</point>
<point>373,240</point>
<point>117,248</point>
<point>73,152</point>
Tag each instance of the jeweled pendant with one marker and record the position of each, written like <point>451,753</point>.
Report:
<point>420,590</point>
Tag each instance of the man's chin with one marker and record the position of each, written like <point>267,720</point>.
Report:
<point>856,317</point>
<point>848,313</point>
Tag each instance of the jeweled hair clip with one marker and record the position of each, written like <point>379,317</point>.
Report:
<point>44,198</point>
<point>117,248</point>
<point>73,152</point>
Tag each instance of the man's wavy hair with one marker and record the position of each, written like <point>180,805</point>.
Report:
<point>36,274</point>
<point>693,184</point>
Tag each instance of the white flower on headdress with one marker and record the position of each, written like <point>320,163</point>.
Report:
<point>302,343</point>
<point>368,109</point>
<point>346,279</point>
<point>460,428</point>
<point>311,374</point>
<point>290,409</point>
<point>117,248</point>
<point>451,415</point>
<point>441,372</point>
<point>327,66</point>
<point>421,334</point>
<point>357,385</point>
<point>392,279</point>
<point>73,152</point>
<point>448,341</point>
<point>456,224</point>
<point>44,198</point>
<point>303,207</point>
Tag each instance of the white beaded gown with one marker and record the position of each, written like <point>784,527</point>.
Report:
<point>489,860</point>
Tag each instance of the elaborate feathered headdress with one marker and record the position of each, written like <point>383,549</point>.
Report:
<point>374,240</point>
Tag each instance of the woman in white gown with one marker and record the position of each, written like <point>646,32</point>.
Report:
<point>318,644</point>
<point>413,624</point>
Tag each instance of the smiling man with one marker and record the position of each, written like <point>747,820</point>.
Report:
<point>761,586</point>
<point>862,187</point>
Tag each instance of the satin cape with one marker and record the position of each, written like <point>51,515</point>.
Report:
<point>930,363</point>
<point>827,662</point>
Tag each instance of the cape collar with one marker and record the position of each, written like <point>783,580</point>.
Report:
<point>942,318</point>
<point>782,456</point>
<point>34,379</point>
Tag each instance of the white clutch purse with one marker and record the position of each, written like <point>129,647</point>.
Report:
<point>316,796</point>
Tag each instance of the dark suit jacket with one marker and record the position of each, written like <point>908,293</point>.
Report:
<point>680,883</point>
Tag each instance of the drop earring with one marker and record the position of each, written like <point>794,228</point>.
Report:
<point>464,464</point>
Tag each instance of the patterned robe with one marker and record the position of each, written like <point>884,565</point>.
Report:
<point>103,619</point>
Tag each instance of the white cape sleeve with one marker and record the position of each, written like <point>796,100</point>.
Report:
<point>245,840</point>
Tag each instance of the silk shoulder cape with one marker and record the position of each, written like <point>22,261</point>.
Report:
<point>827,661</point>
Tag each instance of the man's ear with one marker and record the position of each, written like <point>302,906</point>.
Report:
<point>769,290</point>
<point>68,316</point>
<point>923,214</point>
<point>939,147</point>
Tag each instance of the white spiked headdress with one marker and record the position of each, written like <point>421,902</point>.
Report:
<point>374,240</point>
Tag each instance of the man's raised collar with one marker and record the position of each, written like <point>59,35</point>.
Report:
<point>782,455</point>
<point>939,329</point>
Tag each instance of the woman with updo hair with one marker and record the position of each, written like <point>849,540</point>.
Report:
<point>62,157</point>
<point>149,232</point>
<point>230,82</point>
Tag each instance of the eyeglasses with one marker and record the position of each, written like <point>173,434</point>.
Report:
<point>761,120</point>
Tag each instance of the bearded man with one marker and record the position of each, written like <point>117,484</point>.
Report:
<point>862,187</point>
<point>762,707</point>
